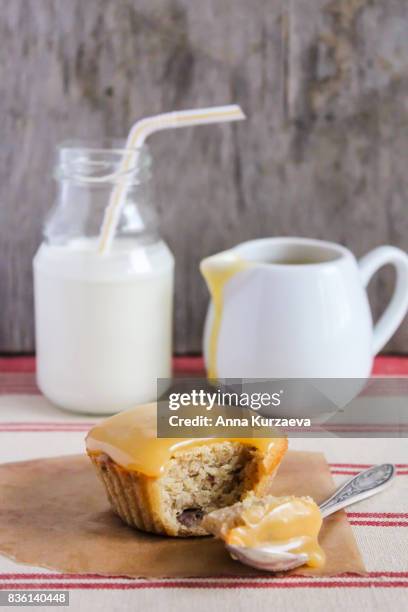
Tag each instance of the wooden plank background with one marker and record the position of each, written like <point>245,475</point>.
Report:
<point>322,154</point>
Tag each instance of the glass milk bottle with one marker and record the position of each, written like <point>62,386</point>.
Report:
<point>103,321</point>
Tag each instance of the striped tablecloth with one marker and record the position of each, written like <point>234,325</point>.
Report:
<point>31,427</point>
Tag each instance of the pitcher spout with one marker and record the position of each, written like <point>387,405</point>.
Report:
<point>217,270</point>
<point>216,267</point>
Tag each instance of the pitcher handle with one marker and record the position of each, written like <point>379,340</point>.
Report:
<point>398,305</point>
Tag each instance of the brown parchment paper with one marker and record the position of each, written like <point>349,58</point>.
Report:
<point>54,514</point>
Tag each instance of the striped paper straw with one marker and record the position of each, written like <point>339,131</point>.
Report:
<point>137,136</point>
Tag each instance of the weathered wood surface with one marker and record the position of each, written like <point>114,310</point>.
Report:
<point>323,152</point>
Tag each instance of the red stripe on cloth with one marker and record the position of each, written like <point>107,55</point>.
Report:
<point>272,584</point>
<point>378,523</point>
<point>385,428</point>
<point>383,365</point>
<point>51,423</point>
<point>85,427</point>
<point>44,430</point>
<point>19,391</point>
<point>350,473</point>
<point>388,574</point>
<point>4,428</point>
<point>17,364</point>
<point>92,423</point>
<point>362,465</point>
<point>17,374</point>
<point>391,365</point>
<point>286,430</point>
<point>189,365</point>
<point>378,514</point>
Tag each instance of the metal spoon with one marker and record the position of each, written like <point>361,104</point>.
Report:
<point>278,558</point>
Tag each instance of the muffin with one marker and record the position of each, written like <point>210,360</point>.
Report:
<point>167,485</point>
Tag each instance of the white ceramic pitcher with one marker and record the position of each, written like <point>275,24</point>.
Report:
<point>297,308</point>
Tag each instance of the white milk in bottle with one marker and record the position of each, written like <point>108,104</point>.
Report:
<point>103,322</point>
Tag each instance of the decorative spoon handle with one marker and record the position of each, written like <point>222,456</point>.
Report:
<point>363,485</point>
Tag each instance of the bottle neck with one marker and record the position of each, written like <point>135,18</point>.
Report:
<point>86,180</point>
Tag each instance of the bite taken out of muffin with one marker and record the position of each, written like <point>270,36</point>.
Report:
<point>168,485</point>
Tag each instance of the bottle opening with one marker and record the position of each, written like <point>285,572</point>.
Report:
<point>100,163</point>
<point>87,173</point>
